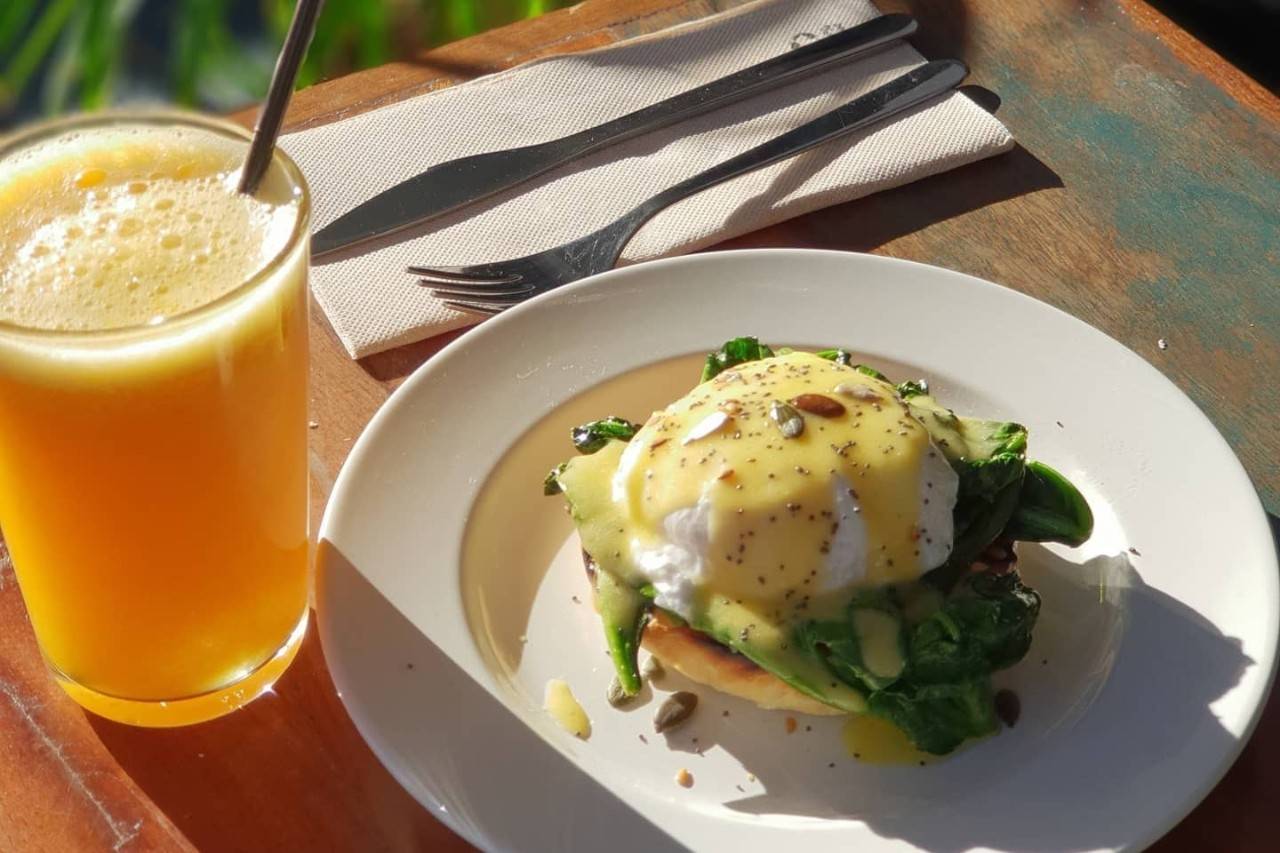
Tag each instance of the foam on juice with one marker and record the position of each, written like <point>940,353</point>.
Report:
<point>129,227</point>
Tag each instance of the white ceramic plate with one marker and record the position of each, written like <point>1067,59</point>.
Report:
<point>447,583</point>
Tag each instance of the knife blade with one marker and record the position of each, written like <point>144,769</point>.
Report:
<point>448,186</point>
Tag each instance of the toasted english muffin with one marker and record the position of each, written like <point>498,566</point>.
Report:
<point>700,658</point>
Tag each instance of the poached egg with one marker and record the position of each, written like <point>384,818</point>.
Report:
<point>787,483</point>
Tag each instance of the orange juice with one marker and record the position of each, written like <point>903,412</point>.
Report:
<point>153,406</point>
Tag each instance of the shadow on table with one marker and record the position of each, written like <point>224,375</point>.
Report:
<point>1236,814</point>
<point>867,223</point>
<point>397,363</point>
<point>287,772</point>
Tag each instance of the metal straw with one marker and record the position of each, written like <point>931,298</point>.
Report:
<point>292,52</point>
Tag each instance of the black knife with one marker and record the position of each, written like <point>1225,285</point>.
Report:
<point>453,184</point>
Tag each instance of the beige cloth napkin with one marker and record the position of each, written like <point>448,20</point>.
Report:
<point>374,305</point>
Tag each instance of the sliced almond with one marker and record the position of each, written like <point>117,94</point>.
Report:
<point>819,404</point>
<point>709,425</point>
<point>858,392</point>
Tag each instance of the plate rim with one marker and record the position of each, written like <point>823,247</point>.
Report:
<point>423,372</point>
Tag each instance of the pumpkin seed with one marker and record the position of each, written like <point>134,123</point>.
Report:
<point>674,711</point>
<point>616,695</point>
<point>789,421</point>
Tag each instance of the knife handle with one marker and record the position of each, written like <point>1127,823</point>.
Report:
<point>770,74</point>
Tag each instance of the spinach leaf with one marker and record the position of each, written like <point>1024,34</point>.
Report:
<point>983,479</point>
<point>589,438</point>
<point>1007,437</point>
<point>839,356</point>
<point>912,388</point>
<point>870,371</point>
<point>991,466</point>
<point>938,717</point>
<point>978,521</point>
<point>941,650</point>
<point>592,436</point>
<point>1000,612</point>
<point>733,353</point>
<point>1050,509</point>
<point>984,626</point>
<point>943,694</point>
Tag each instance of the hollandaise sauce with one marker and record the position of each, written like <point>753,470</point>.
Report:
<point>877,741</point>
<point>563,707</point>
<point>779,485</point>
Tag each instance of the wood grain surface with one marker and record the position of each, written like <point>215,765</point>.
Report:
<point>1143,197</point>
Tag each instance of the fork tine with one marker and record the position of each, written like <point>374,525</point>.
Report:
<point>505,298</point>
<point>473,290</point>
<point>477,283</point>
<point>476,307</point>
<point>461,275</point>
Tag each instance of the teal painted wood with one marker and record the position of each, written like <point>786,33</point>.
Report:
<point>1144,198</point>
<point>1180,186</point>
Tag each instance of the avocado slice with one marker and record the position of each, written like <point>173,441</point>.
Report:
<point>586,482</point>
<point>772,647</point>
<point>964,439</point>
<point>623,612</point>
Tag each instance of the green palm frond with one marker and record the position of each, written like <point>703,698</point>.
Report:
<point>14,16</point>
<point>74,52</point>
<point>88,56</point>
<point>34,47</point>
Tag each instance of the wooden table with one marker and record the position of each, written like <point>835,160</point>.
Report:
<point>1144,197</point>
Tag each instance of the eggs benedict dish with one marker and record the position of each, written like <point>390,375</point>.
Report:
<point>799,531</point>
